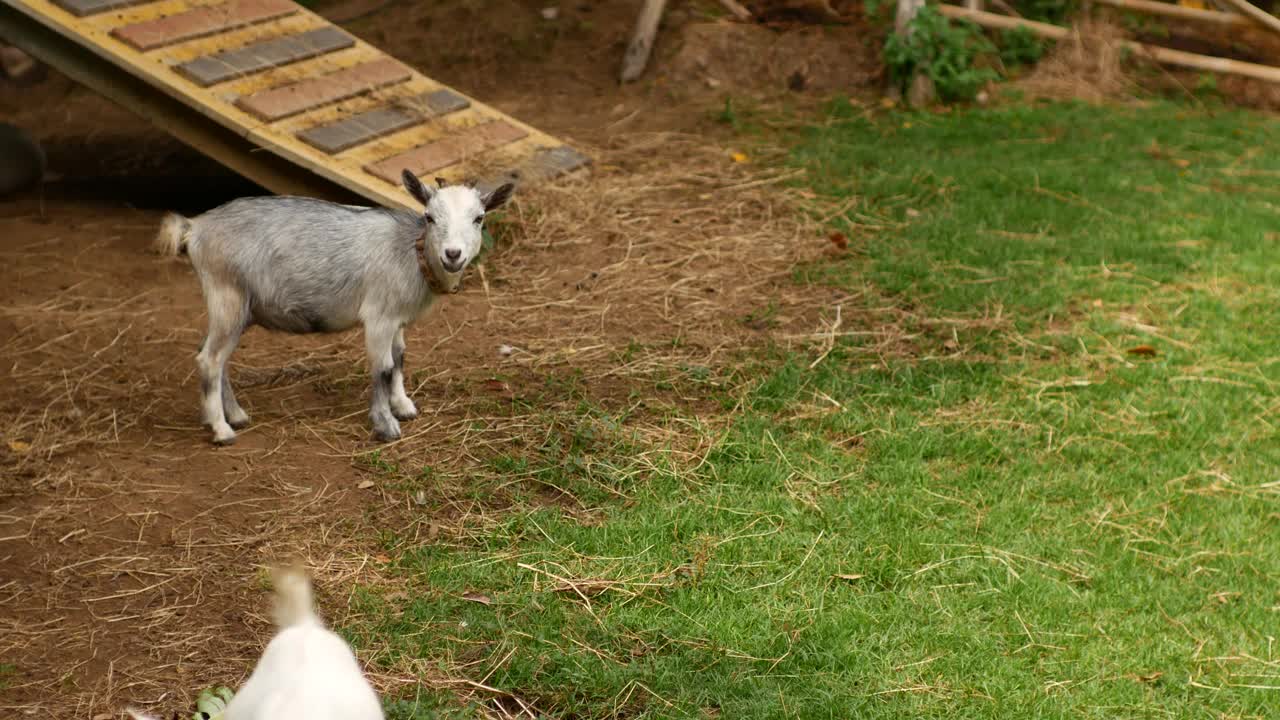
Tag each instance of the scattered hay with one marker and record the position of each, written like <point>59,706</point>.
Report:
<point>1089,66</point>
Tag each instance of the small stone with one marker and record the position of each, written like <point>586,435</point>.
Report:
<point>550,13</point>
<point>505,350</point>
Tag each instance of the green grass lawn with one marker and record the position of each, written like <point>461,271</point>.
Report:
<point>1016,516</point>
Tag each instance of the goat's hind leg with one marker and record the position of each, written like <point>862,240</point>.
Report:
<point>379,338</point>
<point>401,406</point>
<point>237,418</point>
<point>228,314</point>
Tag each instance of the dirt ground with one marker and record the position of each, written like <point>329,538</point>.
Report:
<point>131,550</point>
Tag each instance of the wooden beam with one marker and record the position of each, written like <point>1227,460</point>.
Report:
<point>637,56</point>
<point>907,11</point>
<point>1256,14</point>
<point>1159,54</point>
<point>736,9</point>
<point>1177,11</point>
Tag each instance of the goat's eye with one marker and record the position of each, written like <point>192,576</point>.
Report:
<point>430,220</point>
<point>479,219</point>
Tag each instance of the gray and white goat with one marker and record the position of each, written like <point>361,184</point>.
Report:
<point>301,265</point>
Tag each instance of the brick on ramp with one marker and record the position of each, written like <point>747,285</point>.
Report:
<point>234,77</point>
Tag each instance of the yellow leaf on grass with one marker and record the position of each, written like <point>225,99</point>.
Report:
<point>20,447</point>
<point>849,576</point>
<point>740,157</point>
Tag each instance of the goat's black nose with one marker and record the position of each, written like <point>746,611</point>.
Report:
<point>453,253</point>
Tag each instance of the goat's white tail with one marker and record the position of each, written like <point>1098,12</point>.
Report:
<point>294,603</point>
<point>172,238</point>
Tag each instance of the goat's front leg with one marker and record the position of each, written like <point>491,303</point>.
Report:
<point>379,338</point>
<point>401,406</point>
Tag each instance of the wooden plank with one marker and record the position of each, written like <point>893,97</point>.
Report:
<point>82,8</point>
<point>183,52</point>
<point>201,22</point>
<point>553,162</point>
<point>169,114</point>
<point>231,91</point>
<point>358,129</point>
<point>1151,7</point>
<point>338,111</point>
<point>1154,52</point>
<point>405,140</point>
<point>637,55</point>
<point>218,103</point>
<point>523,162</point>
<point>447,151</point>
<point>229,64</point>
<point>281,102</point>
<point>1258,15</point>
<point>153,10</point>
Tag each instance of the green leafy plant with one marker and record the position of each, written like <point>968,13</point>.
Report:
<point>875,8</point>
<point>1020,46</point>
<point>943,51</point>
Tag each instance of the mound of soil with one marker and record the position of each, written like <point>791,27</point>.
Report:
<point>758,61</point>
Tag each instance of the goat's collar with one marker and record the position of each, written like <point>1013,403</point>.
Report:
<point>425,267</point>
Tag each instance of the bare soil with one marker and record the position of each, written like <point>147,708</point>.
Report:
<point>131,551</point>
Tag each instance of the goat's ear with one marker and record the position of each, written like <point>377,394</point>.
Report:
<point>441,182</point>
<point>498,198</point>
<point>415,187</point>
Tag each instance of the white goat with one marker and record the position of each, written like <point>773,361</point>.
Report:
<point>301,265</point>
<point>306,671</point>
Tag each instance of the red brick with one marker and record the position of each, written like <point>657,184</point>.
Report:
<point>285,100</point>
<point>447,151</point>
<point>201,22</point>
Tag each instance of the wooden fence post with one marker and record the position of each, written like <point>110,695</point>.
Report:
<point>921,92</point>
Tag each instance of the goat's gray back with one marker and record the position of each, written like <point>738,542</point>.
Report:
<point>308,265</point>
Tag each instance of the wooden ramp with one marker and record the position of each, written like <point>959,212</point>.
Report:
<point>235,77</point>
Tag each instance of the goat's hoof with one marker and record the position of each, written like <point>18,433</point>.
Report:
<point>239,422</point>
<point>386,432</point>
<point>405,414</point>
<point>224,439</point>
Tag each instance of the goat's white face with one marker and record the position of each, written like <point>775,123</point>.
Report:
<point>454,218</point>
